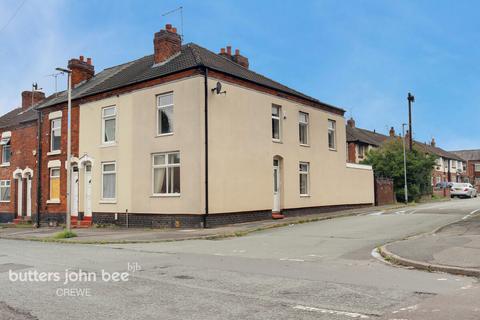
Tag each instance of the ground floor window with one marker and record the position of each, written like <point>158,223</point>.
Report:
<point>109,181</point>
<point>54,183</point>
<point>166,173</point>
<point>4,190</point>
<point>304,171</point>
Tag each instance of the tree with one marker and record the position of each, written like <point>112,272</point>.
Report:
<point>387,161</point>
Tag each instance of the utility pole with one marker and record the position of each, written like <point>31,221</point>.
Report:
<point>405,163</point>
<point>69,146</point>
<point>410,99</point>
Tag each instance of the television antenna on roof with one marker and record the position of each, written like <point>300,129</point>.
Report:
<point>180,9</point>
<point>55,75</point>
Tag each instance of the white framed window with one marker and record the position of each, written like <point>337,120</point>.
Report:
<point>166,173</point>
<point>109,125</point>
<point>303,128</point>
<point>438,179</point>
<point>55,184</point>
<point>332,128</point>
<point>361,151</point>
<point>4,190</point>
<point>304,175</point>
<point>165,114</point>
<point>477,167</point>
<point>6,153</point>
<point>109,181</point>
<point>454,164</point>
<point>55,134</point>
<point>276,122</point>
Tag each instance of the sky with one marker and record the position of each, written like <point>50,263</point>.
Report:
<point>361,55</point>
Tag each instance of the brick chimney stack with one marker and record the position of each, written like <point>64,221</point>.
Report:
<point>433,143</point>
<point>351,123</point>
<point>392,132</point>
<point>27,98</point>
<point>166,43</point>
<point>81,70</point>
<point>237,57</point>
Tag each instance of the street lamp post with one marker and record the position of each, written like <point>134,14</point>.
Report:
<point>405,163</point>
<point>410,99</point>
<point>69,146</point>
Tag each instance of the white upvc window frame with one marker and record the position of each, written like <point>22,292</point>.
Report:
<point>159,108</point>
<point>52,130</point>
<point>166,166</point>
<point>6,149</point>
<point>332,130</point>
<point>305,124</point>
<point>361,151</point>
<point>3,185</point>
<point>105,118</point>
<point>277,117</point>
<point>307,174</point>
<point>476,167</point>
<point>114,172</point>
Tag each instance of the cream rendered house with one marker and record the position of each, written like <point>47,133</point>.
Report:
<point>187,137</point>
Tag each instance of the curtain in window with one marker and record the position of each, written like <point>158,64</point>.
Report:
<point>174,177</point>
<point>5,193</point>
<point>159,181</point>
<point>165,119</point>
<point>109,130</point>
<point>109,185</point>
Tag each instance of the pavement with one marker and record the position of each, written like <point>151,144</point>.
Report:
<point>132,235</point>
<point>454,248</point>
<point>320,270</point>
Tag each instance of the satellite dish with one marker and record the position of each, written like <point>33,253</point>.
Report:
<point>218,88</point>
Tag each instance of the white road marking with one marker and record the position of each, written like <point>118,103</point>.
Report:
<point>287,259</point>
<point>330,311</point>
<point>470,214</point>
<point>379,213</point>
<point>442,279</point>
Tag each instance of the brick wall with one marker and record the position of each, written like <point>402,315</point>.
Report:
<point>23,144</point>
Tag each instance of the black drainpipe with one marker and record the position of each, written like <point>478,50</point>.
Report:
<point>206,146</point>
<point>39,164</point>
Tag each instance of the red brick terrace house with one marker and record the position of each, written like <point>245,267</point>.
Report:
<point>18,155</point>
<point>449,166</point>
<point>472,158</point>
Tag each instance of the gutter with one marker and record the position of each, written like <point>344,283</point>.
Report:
<point>205,216</point>
<point>39,165</point>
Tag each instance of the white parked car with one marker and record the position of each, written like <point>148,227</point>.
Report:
<point>463,190</point>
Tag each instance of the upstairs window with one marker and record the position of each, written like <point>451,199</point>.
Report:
<point>55,134</point>
<point>303,127</point>
<point>166,173</point>
<point>332,128</point>
<point>4,190</point>
<point>477,167</point>
<point>361,151</point>
<point>165,114</point>
<point>6,153</point>
<point>109,123</point>
<point>276,122</point>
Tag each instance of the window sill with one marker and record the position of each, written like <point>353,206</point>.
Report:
<point>6,164</point>
<point>304,145</point>
<point>107,201</point>
<point>4,201</point>
<point>276,141</point>
<point>54,153</point>
<point>53,201</point>
<point>164,135</point>
<point>172,195</point>
<point>108,145</point>
<point>304,196</point>
<point>332,149</point>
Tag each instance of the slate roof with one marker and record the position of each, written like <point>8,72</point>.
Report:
<point>18,116</point>
<point>468,155</point>
<point>190,56</point>
<point>377,139</point>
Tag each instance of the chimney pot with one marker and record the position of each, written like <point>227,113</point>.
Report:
<point>81,70</point>
<point>351,122</point>
<point>229,50</point>
<point>174,30</point>
<point>168,26</point>
<point>222,50</point>
<point>237,52</point>
<point>82,58</point>
<point>89,61</point>
<point>392,132</point>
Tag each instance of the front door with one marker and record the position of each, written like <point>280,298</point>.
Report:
<point>19,197</point>
<point>276,186</point>
<point>75,192</point>
<point>88,191</point>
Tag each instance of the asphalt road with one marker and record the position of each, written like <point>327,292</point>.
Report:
<point>320,270</point>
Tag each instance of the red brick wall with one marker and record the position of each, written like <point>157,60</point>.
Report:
<point>23,145</point>
<point>45,174</point>
<point>352,152</point>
